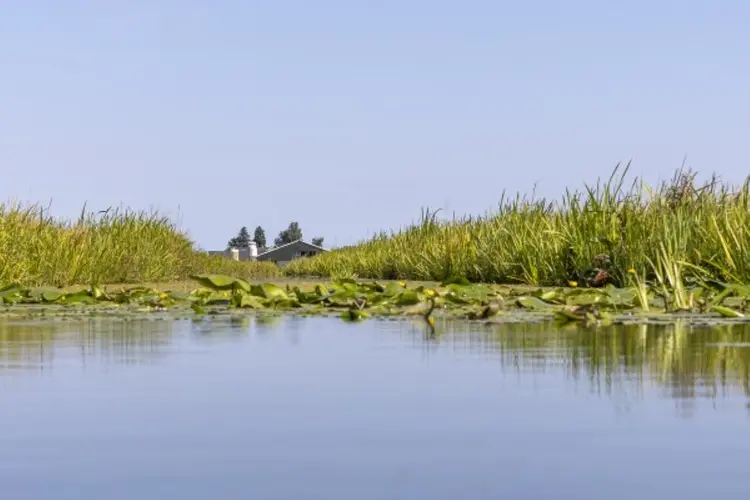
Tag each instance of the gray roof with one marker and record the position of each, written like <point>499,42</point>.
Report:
<point>275,249</point>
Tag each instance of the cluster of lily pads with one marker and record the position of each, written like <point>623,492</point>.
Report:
<point>356,301</point>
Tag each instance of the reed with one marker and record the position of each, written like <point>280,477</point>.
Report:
<point>610,226</point>
<point>113,246</point>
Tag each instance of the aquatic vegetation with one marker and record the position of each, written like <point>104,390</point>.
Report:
<point>357,301</point>
<point>109,247</point>
<point>677,232</point>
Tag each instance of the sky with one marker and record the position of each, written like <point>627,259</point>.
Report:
<point>350,116</point>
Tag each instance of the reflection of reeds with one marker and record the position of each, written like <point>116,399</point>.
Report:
<point>550,243</point>
<point>689,361</point>
<point>109,247</point>
<point>34,344</point>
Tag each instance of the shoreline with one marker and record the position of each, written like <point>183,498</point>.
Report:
<point>216,296</point>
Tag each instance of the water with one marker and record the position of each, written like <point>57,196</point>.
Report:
<point>319,409</point>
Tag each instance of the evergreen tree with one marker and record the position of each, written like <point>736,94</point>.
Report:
<point>260,237</point>
<point>242,240</point>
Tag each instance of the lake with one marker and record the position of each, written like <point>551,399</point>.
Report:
<point>316,408</point>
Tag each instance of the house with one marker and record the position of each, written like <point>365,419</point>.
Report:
<point>283,254</point>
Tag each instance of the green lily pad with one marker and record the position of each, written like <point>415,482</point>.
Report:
<point>528,302</point>
<point>408,298</point>
<point>221,282</point>
<point>392,289</point>
<point>268,291</point>
<point>51,296</point>
<point>243,300</point>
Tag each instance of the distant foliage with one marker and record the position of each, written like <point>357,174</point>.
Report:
<point>590,237</point>
<point>288,235</point>
<point>318,242</point>
<point>242,240</point>
<point>260,237</point>
<point>109,247</point>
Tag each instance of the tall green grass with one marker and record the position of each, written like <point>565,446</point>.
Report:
<point>113,246</point>
<point>701,228</point>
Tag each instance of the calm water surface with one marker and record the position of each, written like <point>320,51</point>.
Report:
<point>319,409</point>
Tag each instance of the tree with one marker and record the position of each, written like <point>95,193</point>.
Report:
<point>242,240</point>
<point>318,242</point>
<point>260,237</point>
<point>288,235</point>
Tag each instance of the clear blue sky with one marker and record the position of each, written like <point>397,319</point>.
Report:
<point>348,116</point>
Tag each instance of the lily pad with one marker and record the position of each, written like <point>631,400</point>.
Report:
<point>268,291</point>
<point>408,298</point>
<point>528,302</point>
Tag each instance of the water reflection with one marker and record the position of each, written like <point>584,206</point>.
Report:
<point>38,344</point>
<point>685,362</point>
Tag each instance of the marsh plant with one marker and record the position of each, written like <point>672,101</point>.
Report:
<point>593,237</point>
<point>113,246</point>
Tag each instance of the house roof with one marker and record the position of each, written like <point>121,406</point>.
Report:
<point>272,250</point>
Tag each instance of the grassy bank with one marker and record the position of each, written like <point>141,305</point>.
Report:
<point>109,247</point>
<point>679,227</point>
